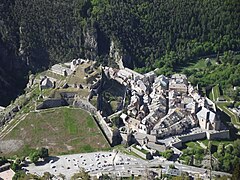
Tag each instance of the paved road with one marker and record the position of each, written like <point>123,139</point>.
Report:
<point>117,164</point>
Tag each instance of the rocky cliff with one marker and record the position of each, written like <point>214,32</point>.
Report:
<point>12,75</point>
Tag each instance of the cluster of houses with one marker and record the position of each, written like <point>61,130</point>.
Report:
<point>161,107</point>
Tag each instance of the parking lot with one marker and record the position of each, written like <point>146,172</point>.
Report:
<point>93,163</point>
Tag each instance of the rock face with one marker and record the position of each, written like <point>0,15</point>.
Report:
<point>90,43</point>
<point>116,55</point>
<point>12,71</point>
<point>9,114</point>
<point>120,58</point>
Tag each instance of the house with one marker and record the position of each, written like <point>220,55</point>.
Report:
<point>179,87</point>
<point>46,83</point>
<point>178,83</point>
<point>74,64</point>
<point>59,69</point>
<point>208,119</point>
<point>6,172</point>
<point>150,76</point>
<point>124,117</point>
<point>162,80</point>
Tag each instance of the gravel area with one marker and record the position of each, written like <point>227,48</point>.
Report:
<point>10,146</point>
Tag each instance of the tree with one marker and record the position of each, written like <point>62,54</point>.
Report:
<point>34,157</point>
<point>3,160</point>
<point>210,147</point>
<point>105,177</point>
<point>220,149</point>
<point>61,176</point>
<point>168,154</point>
<point>18,161</point>
<point>15,166</point>
<point>43,152</point>
<point>236,148</point>
<point>187,159</point>
<point>82,174</point>
<point>19,175</point>
<point>149,156</point>
<point>47,176</point>
<point>236,172</point>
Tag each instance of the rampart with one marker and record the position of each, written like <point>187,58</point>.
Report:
<point>192,137</point>
<point>138,152</point>
<point>52,103</point>
<point>83,104</point>
<point>218,135</point>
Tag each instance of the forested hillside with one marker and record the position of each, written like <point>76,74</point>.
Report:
<point>168,33</point>
<point>164,34</point>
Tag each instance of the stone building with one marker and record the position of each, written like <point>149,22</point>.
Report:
<point>208,119</point>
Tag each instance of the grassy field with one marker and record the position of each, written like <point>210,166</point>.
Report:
<point>216,92</point>
<point>199,64</point>
<point>63,131</point>
<point>193,145</point>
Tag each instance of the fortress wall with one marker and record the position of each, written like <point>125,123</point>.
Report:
<point>177,144</point>
<point>192,137</point>
<point>106,129</point>
<point>98,118</point>
<point>138,152</point>
<point>218,135</point>
<point>52,103</point>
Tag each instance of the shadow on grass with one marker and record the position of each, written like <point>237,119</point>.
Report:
<point>48,160</point>
<point>226,120</point>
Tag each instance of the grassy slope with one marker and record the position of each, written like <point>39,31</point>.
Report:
<point>63,131</point>
<point>234,118</point>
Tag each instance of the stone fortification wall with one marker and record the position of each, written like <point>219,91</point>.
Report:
<point>192,137</point>
<point>68,96</point>
<point>106,129</point>
<point>177,143</point>
<point>83,104</point>
<point>218,135</point>
<point>138,152</point>
<point>52,103</point>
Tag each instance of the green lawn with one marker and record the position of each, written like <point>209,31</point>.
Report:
<point>199,64</point>
<point>63,131</point>
<point>193,145</point>
<point>216,92</point>
<point>211,95</point>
